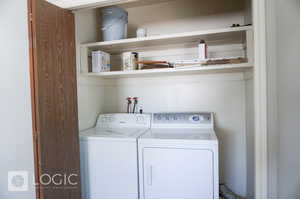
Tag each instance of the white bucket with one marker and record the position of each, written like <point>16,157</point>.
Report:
<point>114,23</point>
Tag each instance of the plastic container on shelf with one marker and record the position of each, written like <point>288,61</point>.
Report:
<point>114,23</point>
<point>100,62</point>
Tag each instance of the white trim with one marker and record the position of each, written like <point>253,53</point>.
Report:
<point>273,136</point>
<point>260,79</point>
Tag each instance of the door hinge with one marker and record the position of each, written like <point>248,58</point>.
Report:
<point>30,17</point>
<point>35,136</point>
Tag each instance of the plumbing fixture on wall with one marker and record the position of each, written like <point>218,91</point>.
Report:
<point>135,102</point>
<point>132,108</point>
<point>129,102</point>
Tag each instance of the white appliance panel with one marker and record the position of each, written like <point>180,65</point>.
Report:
<point>178,173</point>
<point>109,162</point>
<point>110,169</point>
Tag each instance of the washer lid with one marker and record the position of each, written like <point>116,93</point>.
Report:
<point>112,133</point>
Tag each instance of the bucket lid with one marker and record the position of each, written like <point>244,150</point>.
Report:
<point>114,10</point>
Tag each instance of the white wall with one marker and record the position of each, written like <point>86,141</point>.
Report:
<point>185,15</point>
<point>90,90</point>
<point>288,70</point>
<point>16,148</point>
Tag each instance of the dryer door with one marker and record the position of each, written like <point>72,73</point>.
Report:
<point>178,173</point>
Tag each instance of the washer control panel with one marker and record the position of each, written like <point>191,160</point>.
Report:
<point>120,120</point>
<point>182,118</point>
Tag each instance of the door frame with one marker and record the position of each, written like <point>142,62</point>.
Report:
<point>266,137</point>
<point>264,52</point>
<point>33,91</point>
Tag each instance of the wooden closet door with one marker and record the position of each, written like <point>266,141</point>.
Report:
<point>54,99</point>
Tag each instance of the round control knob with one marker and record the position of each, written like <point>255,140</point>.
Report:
<point>196,118</point>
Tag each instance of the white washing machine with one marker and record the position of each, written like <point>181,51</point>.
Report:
<point>178,157</point>
<point>109,162</point>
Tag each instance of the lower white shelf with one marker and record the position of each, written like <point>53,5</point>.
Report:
<point>226,68</point>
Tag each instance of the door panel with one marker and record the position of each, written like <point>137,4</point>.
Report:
<point>178,173</point>
<point>55,101</point>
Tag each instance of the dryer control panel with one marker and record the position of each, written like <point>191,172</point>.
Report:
<point>183,119</point>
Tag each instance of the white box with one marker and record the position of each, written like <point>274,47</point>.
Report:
<point>202,51</point>
<point>100,62</point>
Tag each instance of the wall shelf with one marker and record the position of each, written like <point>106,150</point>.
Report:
<point>228,68</point>
<point>118,46</point>
<point>232,35</point>
<point>90,4</point>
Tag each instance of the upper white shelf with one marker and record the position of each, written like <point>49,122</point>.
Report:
<point>233,34</point>
<point>227,68</point>
<point>81,4</point>
<point>88,4</point>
